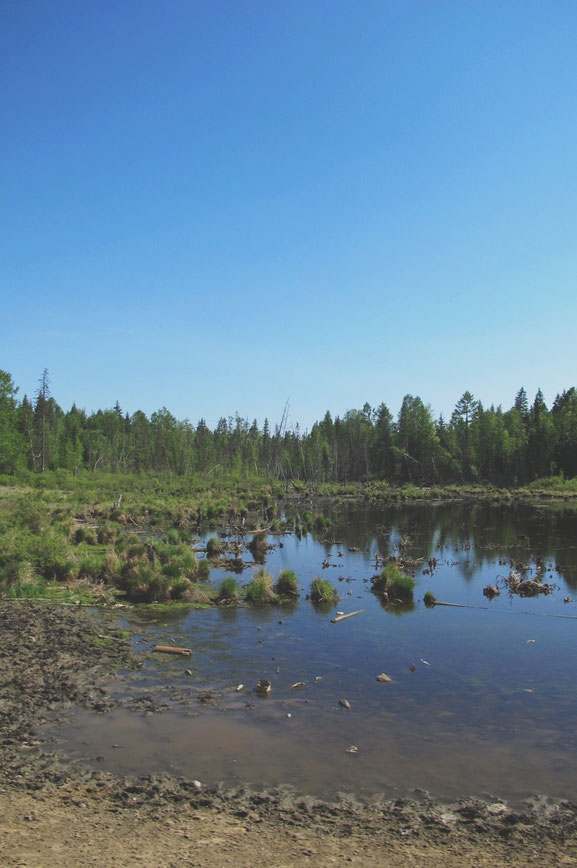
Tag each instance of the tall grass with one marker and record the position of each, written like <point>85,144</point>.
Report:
<point>260,590</point>
<point>287,584</point>
<point>394,583</point>
<point>323,592</point>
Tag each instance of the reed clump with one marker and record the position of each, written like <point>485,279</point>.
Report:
<point>287,584</point>
<point>393,583</point>
<point>322,591</point>
<point>229,591</point>
<point>261,589</point>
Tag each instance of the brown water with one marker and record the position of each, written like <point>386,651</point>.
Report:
<point>490,708</point>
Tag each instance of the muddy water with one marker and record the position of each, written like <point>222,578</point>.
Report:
<point>490,708</point>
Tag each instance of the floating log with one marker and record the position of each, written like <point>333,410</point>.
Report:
<point>458,605</point>
<point>170,649</point>
<point>344,617</point>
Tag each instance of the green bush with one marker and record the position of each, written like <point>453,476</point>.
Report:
<point>180,589</point>
<point>228,591</point>
<point>111,568</point>
<point>203,571</point>
<point>85,535</point>
<point>90,567</point>
<point>213,547</point>
<point>323,592</point>
<point>258,544</point>
<point>260,590</point>
<point>429,599</point>
<point>321,523</point>
<point>287,584</point>
<point>394,583</point>
<point>106,533</point>
<point>171,537</point>
<point>143,584</point>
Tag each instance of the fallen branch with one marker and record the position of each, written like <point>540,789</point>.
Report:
<point>458,605</point>
<point>170,649</point>
<point>344,617</point>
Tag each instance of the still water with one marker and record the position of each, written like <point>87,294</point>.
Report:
<point>483,698</point>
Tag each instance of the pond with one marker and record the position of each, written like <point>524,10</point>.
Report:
<point>483,697</point>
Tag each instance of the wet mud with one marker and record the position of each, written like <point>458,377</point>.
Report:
<point>55,658</point>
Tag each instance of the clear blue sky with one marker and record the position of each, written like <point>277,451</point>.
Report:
<point>216,205</point>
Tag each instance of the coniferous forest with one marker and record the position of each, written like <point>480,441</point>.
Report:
<point>509,447</point>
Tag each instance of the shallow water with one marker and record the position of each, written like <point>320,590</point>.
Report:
<point>491,707</point>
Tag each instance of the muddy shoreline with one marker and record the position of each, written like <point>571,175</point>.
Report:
<point>53,658</point>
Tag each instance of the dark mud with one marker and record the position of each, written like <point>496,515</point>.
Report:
<point>52,658</point>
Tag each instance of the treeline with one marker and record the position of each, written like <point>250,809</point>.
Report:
<point>505,448</point>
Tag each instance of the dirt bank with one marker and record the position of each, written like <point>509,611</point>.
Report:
<point>58,813</point>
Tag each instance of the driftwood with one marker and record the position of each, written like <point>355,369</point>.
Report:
<point>344,617</point>
<point>170,649</point>
<point>458,605</point>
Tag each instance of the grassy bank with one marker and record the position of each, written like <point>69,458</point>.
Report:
<point>96,537</point>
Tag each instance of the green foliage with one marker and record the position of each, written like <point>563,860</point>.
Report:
<point>213,547</point>
<point>85,535</point>
<point>258,544</point>
<point>143,584</point>
<point>229,591</point>
<point>393,582</point>
<point>106,533</point>
<point>171,537</point>
<point>203,571</point>
<point>287,584</point>
<point>321,523</point>
<point>260,590</point>
<point>429,599</point>
<point>322,591</point>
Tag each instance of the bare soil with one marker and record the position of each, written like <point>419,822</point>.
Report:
<point>57,813</point>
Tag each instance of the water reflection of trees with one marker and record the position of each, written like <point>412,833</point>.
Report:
<point>472,533</point>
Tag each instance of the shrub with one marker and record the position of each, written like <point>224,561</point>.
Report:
<point>260,590</point>
<point>202,571</point>
<point>171,537</point>
<point>228,591</point>
<point>106,533</point>
<point>18,580</point>
<point>143,584</point>
<point>429,599</point>
<point>111,568</point>
<point>90,567</point>
<point>258,543</point>
<point>287,584</point>
<point>181,562</point>
<point>84,535</point>
<point>180,589</point>
<point>213,547</point>
<point>323,592</point>
<point>393,582</point>
<point>321,522</point>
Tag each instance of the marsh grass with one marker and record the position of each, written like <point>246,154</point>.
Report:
<point>214,547</point>
<point>229,591</point>
<point>392,582</point>
<point>260,590</point>
<point>322,591</point>
<point>258,544</point>
<point>287,584</point>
